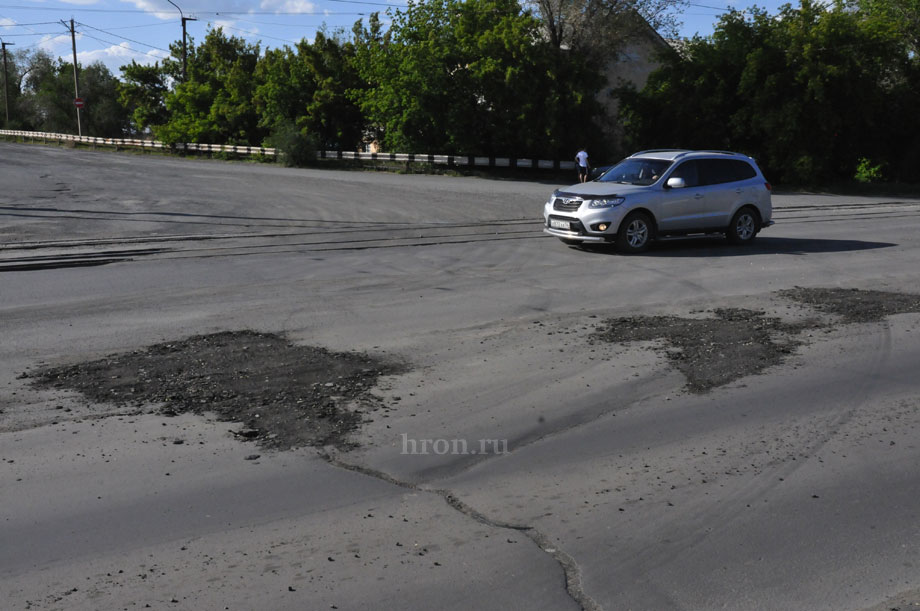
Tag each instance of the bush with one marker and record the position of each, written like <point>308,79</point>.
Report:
<point>868,173</point>
<point>295,148</point>
<point>802,171</point>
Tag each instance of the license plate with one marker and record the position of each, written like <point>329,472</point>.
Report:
<point>557,224</point>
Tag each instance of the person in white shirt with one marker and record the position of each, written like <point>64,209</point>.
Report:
<point>581,159</point>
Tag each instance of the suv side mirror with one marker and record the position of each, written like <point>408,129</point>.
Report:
<point>676,183</point>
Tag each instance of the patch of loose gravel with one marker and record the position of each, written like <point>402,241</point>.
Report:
<point>714,351</point>
<point>734,343</point>
<point>289,395</point>
<point>286,395</point>
<point>854,305</point>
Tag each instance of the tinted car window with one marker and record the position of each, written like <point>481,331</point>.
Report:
<point>636,171</point>
<point>718,171</point>
<point>742,170</point>
<point>689,171</point>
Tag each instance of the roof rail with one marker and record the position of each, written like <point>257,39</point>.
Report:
<point>719,152</point>
<point>661,151</point>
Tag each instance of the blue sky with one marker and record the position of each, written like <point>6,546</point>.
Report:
<point>118,31</point>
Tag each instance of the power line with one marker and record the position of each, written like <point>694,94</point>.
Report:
<point>386,4</point>
<point>115,44</point>
<point>29,34</point>
<point>73,9</point>
<point>22,25</point>
<point>45,41</point>
<point>281,25</point>
<point>715,8</point>
<point>123,37</point>
<point>257,34</point>
<point>290,25</point>
<point>146,25</point>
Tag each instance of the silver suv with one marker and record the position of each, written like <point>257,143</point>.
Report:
<point>660,193</point>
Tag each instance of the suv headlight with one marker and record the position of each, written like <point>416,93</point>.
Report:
<point>608,202</point>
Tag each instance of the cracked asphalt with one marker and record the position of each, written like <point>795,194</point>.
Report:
<point>246,387</point>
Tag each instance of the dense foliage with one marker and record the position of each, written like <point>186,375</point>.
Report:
<point>815,93</point>
<point>473,77</point>
<point>41,93</point>
<point>818,92</point>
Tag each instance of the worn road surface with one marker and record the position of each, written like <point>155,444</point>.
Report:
<point>518,460</point>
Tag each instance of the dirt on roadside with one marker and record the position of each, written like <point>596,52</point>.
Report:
<point>286,395</point>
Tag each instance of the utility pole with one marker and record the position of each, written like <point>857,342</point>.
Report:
<point>184,52</point>
<point>76,80</point>
<point>6,88</point>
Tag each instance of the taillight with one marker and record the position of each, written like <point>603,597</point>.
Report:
<point>768,186</point>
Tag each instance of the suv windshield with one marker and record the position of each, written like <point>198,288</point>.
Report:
<point>636,171</point>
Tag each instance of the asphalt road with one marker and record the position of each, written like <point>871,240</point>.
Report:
<point>519,464</point>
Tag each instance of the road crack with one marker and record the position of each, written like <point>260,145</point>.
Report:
<point>570,568</point>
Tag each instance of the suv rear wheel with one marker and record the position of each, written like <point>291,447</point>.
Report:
<point>744,226</point>
<point>635,233</point>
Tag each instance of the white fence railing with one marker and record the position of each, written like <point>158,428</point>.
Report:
<point>454,160</point>
<point>140,143</point>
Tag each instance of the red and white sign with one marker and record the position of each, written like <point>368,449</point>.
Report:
<point>78,102</point>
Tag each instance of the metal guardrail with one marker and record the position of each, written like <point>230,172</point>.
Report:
<point>450,160</point>
<point>140,143</point>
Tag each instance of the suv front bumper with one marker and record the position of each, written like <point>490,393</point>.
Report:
<point>574,235</point>
<point>583,226</point>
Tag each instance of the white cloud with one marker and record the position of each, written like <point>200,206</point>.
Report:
<point>159,8</point>
<point>80,2</point>
<point>118,55</point>
<point>6,23</point>
<point>56,43</point>
<point>226,23</point>
<point>288,6</point>
<point>232,27</point>
<point>164,10</point>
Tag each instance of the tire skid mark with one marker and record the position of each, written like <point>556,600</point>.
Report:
<point>847,206</point>
<point>69,253</point>
<point>680,537</point>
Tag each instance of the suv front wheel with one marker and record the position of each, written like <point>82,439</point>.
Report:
<point>635,233</point>
<point>744,226</point>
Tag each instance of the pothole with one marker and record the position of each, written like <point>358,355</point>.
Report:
<point>854,305</point>
<point>734,343</point>
<point>710,352</point>
<point>286,395</point>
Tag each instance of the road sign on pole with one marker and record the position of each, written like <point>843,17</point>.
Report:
<point>78,102</point>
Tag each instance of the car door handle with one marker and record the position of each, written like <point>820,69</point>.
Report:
<point>698,196</point>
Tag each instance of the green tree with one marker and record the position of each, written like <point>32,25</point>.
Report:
<point>33,111</point>
<point>143,93</point>
<point>215,105</point>
<point>475,77</point>
<point>307,87</point>
<point>16,62</point>
<point>809,91</point>
<point>47,100</point>
<point>103,116</point>
<point>600,27</point>
<point>903,16</point>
